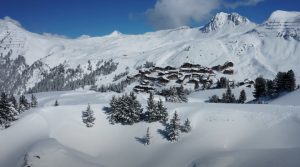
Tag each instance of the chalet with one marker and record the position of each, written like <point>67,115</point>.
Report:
<point>227,65</point>
<point>196,75</point>
<point>163,80</point>
<point>141,88</point>
<point>186,70</point>
<point>168,68</point>
<point>173,77</point>
<point>189,65</point>
<point>217,68</point>
<point>150,78</point>
<point>228,72</point>
<point>158,69</point>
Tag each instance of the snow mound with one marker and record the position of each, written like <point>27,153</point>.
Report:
<point>50,153</point>
<point>288,99</point>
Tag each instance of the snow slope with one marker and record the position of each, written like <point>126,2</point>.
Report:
<point>222,135</point>
<point>254,49</point>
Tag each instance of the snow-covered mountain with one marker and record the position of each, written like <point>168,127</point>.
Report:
<point>255,49</point>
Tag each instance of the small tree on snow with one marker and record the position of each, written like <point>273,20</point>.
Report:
<point>88,117</point>
<point>34,102</point>
<point>23,104</point>
<point>173,128</point>
<point>56,103</point>
<point>162,111</point>
<point>147,137</point>
<point>242,97</point>
<point>187,126</point>
<point>151,113</point>
<point>7,111</point>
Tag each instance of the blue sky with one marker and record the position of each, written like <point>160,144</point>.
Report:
<point>99,17</point>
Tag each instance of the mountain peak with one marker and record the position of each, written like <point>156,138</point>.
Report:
<point>115,33</point>
<point>284,16</point>
<point>221,19</point>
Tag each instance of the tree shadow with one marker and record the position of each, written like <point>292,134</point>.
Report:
<point>141,140</point>
<point>106,109</point>
<point>163,133</point>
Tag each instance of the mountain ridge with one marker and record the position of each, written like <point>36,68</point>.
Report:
<point>255,49</point>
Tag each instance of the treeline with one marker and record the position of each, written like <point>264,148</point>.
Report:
<point>228,97</point>
<point>270,89</point>
<point>264,89</point>
<point>61,78</point>
<point>10,108</point>
<point>114,87</point>
<point>127,110</point>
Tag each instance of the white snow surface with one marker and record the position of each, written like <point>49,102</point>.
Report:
<point>254,49</point>
<point>223,135</point>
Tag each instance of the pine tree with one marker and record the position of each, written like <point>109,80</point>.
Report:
<point>23,104</point>
<point>222,83</point>
<point>228,97</point>
<point>126,110</point>
<point>162,112</point>
<point>280,82</point>
<point>173,128</point>
<point>242,97</point>
<point>7,111</point>
<point>34,102</point>
<point>147,137</point>
<point>151,113</point>
<point>56,103</point>
<point>214,99</point>
<point>187,126</point>
<point>271,89</point>
<point>13,101</point>
<point>290,81</point>
<point>88,117</point>
<point>136,108</point>
<point>260,88</point>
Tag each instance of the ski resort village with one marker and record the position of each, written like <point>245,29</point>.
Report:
<point>224,92</point>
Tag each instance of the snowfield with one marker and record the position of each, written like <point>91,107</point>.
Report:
<point>222,135</point>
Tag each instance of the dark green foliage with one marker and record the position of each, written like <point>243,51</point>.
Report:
<point>7,111</point>
<point>260,88</point>
<point>187,126</point>
<point>243,97</point>
<point>175,94</point>
<point>56,103</point>
<point>214,99</point>
<point>151,114</point>
<point>125,110</point>
<point>222,83</point>
<point>88,117</point>
<point>34,102</point>
<point>290,84</point>
<point>271,91</point>
<point>60,78</point>
<point>14,102</point>
<point>228,96</point>
<point>147,137</point>
<point>23,104</point>
<point>162,112</point>
<point>173,129</point>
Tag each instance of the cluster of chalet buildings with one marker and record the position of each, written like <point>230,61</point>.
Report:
<point>187,73</point>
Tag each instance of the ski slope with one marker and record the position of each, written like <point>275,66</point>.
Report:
<point>222,135</point>
<point>255,49</point>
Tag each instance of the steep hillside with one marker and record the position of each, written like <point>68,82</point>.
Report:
<point>254,49</point>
